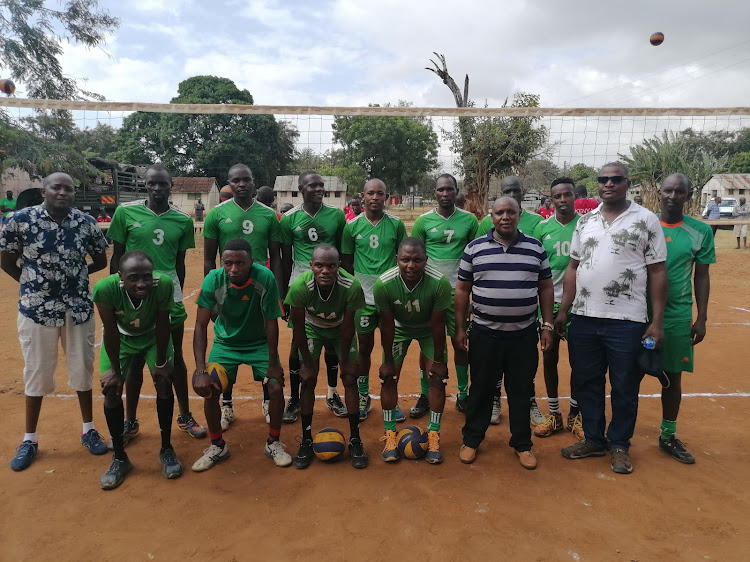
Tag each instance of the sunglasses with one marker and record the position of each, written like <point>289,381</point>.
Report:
<point>615,179</point>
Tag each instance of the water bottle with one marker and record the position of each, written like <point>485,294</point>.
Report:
<point>649,343</point>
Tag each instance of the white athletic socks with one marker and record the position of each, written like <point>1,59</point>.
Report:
<point>30,437</point>
<point>331,391</point>
<point>87,426</point>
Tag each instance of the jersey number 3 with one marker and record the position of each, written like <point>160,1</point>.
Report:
<point>159,240</point>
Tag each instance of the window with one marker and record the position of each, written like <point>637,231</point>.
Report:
<point>193,196</point>
<point>295,193</point>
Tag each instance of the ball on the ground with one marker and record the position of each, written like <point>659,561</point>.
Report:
<point>218,375</point>
<point>7,86</point>
<point>329,444</point>
<point>657,38</point>
<point>411,442</point>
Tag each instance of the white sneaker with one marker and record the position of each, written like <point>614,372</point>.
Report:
<point>276,451</point>
<point>227,417</point>
<point>214,454</point>
<point>264,409</point>
<point>535,415</point>
<point>496,405</point>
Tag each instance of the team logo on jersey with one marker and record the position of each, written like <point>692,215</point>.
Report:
<point>434,230</point>
<point>548,237</point>
<point>119,312</point>
<point>245,298</point>
<point>359,237</point>
<point>228,220</point>
<point>136,224</point>
<point>298,229</point>
<point>397,302</point>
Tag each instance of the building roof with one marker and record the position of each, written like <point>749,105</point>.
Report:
<point>193,185</point>
<point>286,184</point>
<point>732,181</point>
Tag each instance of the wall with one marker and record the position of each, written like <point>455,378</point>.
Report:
<point>16,180</point>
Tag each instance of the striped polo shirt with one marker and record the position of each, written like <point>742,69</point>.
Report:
<point>504,282</point>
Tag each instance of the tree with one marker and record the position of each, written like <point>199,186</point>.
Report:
<point>538,175</point>
<point>584,175</point>
<point>209,144</point>
<point>100,141</point>
<point>31,41</point>
<point>401,151</point>
<point>740,163</point>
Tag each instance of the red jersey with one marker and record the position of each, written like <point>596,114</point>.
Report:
<point>583,206</point>
<point>545,212</point>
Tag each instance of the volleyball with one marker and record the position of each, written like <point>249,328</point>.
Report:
<point>7,86</point>
<point>329,444</point>
<point>218,375</point>
<point>411,442</point>
<point>657,38</point>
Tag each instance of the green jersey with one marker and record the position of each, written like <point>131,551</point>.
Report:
<point>259,225</point>
<point>412,309</point>
<point>8,204</point>
<point>556,239</point>
<point>446,238</point>
<point>688,242</point>
<point>526,223</point>
<point>134,321</point>
<point>303,232</point>
<point>162,237</point>
<point>329,312</point>
<point>242,311</point>
<point>374,247</point>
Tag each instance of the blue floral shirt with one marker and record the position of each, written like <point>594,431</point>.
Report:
<point>54,273</point>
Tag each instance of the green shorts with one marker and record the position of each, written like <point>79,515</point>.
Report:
<point>232,357</point>
<point>676,349</point>
<point>131,347</point>
<point>177,315</point>
<point>367,319</point>
<point>329,338</point>
<point>403,339</point>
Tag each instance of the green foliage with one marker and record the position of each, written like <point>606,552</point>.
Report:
<point>401,151</point>
<point>585,175</point>
<point>538,175</point>
<point>32,35</point>
<point>209,144</point>
<point>740,163</point>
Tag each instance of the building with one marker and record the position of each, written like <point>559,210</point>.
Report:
<point>286,190</point>
<point>16,180</point>
<point>731,186</point>
<point>186,191</point>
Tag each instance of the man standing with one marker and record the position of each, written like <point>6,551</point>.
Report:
<point>165,233</point>
<point>555,234</point>
<point>547,209</point>
<point>244,217</point>
<point>527,222</point>
<point>7,204</point>
<point>368,248</point>
<point>302,229</point>
<point>615,250</point>
<point>266,196</point>
<point>355,208</point>
<point>690,248</point>
<point>52,241</point>
<point>446,230</point>
<point>507,275</point>
<point>134,306</point>
<point>584,204</point>
<point>740,230</point>
<point>245,299</point>
<point>323,302</point>
<point>199,209</point>
<point>413,299</point>
<point>713,212</point>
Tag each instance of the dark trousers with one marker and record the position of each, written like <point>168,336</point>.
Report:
<point>597,345</point>
<point>517,358</point>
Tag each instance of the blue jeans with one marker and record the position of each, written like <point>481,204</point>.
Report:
<point>598,345</point>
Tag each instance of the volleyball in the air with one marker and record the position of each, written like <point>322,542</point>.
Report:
<point>7,86</point>
<point>657,38</point>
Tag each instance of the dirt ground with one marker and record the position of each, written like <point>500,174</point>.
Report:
<point>246,508</point>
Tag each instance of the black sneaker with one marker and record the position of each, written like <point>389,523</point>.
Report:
<point>582,450</point>
<point>461,404</point>
<point>116,473</point>
<point>304,456</point>
<point>336,405</point>
<point>291,412</point>
<point>677,449</point>
<point>420,408</point>
<point>357,453</point>
<point>171,467</point>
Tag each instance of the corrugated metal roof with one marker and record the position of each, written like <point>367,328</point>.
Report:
<point>286,184</point>
<point>193,185</point>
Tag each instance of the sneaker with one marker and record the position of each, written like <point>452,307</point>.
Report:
<point>420,408</point>
<point>467,454</point>
<point>264,409</point>
<point>399,414</point>
<point>304,456</point>
<point>129,430</point>
<point>461,404</point>
<point>677,449</point>
<point>433,454</point>
<point>535,415</point>
<point>116,473</point>
<point>171,467</point>
<point>276,452</point>
<point>390,452</point>
<point>527,459</point>
<point>335,404</point>
<point>575,426</point>
<point>93,442</point>
<point>365,406</point>
<point>291,412</point>
<point>582,450</point>
<point>621,462</point>
<point>227,417</point>
<point>24,456</point>
<point>496,408</point>
<point>357,453</point>
<point>188,424</point>
<point>552,424</point>
<point>211,456</point>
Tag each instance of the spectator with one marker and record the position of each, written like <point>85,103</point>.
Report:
<point>713,212</point>
<point>740,230</point>
<point>199,210</point>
